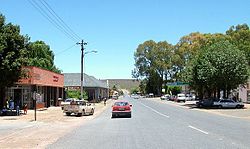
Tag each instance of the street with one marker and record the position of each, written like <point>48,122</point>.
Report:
<point>156,126</point>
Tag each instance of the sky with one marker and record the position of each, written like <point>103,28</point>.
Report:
<point>115,28</point>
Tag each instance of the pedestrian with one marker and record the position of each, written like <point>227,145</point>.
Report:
<point>105,99</point>
<point>25,108</point>
<point>4,111</point>
<point>17,107</point>
<point>11,104</point>
<point>17,110</point>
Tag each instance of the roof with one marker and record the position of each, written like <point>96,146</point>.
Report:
<point>74,79</point>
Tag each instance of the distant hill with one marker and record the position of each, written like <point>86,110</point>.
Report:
<point>123,83</point>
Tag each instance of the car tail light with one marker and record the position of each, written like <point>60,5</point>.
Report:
<point>127,108</point>
<point>115,108</point>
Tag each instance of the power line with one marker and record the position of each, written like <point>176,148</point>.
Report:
<point>59,19</point>
<point>65,50</point>
<point>51,20</point>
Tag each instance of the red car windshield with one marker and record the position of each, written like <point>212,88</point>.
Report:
<point>121,104</point>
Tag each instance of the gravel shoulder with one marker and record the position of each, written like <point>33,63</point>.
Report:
<point>23,132</point>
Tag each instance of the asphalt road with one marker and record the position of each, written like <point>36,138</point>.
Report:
<point>159,126</point>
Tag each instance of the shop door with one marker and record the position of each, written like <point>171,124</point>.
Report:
<point>18,97</point>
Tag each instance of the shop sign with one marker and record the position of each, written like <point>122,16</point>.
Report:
<point>55,78</point>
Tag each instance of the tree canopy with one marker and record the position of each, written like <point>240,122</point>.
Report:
<point>153,61</point>
<point>221,66</point>
<point>12,54</point>
<point>40,55</point>
<point>209,62</point>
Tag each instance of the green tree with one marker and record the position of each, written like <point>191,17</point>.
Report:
<point>12,55</point>
<point>40,55</point>
<point>174,90</point>
<point>152,61</point>
<point>76,94</point>
<point>240,36</point>
<point>220,66</point>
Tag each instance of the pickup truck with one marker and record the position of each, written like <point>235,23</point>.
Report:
<point>79,107</point>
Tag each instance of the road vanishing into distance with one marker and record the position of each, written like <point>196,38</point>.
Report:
<point>155,125</point>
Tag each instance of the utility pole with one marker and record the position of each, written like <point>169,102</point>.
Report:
<point>82,56</point>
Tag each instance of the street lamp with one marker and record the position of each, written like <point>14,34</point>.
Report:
<point>82,59</point>
<point>82,68</point>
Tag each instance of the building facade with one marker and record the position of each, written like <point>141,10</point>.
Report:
<point>46,87</point>
<point>244,93</point>
<point>96,89</point>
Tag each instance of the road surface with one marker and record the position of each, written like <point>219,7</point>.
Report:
<point>159,126</point>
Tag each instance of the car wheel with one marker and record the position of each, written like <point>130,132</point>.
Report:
<point>220,106</point>
<point>79,114</point>
<point>68,114</point>
<point>83,112</point>
<point>92,111</point>
<point>238,107</point>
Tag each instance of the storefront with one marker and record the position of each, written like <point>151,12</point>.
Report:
<point>44,86</point>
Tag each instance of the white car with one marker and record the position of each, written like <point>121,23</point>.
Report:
<point>165,97</point>
<point>67,102</point>
<point>228,103</point>
<point>181,97</point>
<point>79,107</point>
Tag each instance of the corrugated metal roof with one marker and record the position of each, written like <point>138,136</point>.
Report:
<point>74,79</point>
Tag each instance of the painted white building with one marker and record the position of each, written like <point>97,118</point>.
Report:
<point>244,93</point>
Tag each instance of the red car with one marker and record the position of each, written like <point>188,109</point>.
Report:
<point>121,108</point>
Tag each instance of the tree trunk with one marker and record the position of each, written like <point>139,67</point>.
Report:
<point>228,91</point>
<point>224,93</point>
<point>2,97</point>
<point>214,93</point>
<point>218,93</point>
<point>200,92</point>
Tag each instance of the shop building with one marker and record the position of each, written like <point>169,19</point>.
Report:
<point>40,84</point>
<point>244,93</point>
<point>96,89</point>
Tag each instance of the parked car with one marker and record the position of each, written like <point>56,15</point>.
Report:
<point>79,107</point>
<point>136,96</point>
<point>172,98</point>
<point>181,97</point>
<point>115,97</point>
<point>228,103</point>
<point>67,102</point>
<point>189,97</point>
<point>205,103</point>
<point>121,108</point>
<point>165,97</point>
<point>151,95</point>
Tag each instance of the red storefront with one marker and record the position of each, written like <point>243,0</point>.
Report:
<point>46,85</point>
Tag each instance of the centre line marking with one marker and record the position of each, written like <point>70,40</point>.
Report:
<point>155,110</point>
<point>198,129</point>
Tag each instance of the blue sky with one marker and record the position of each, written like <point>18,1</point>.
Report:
<point>116,27</point>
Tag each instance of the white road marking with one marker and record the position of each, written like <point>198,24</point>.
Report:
<point>198,129</point>
<point>155,110</point>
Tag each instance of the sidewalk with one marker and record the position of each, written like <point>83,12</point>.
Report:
<point>51,124</point>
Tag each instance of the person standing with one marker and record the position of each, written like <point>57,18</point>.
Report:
<point>105,99</point>
<point>18,107</point>
<point>25,108</point>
